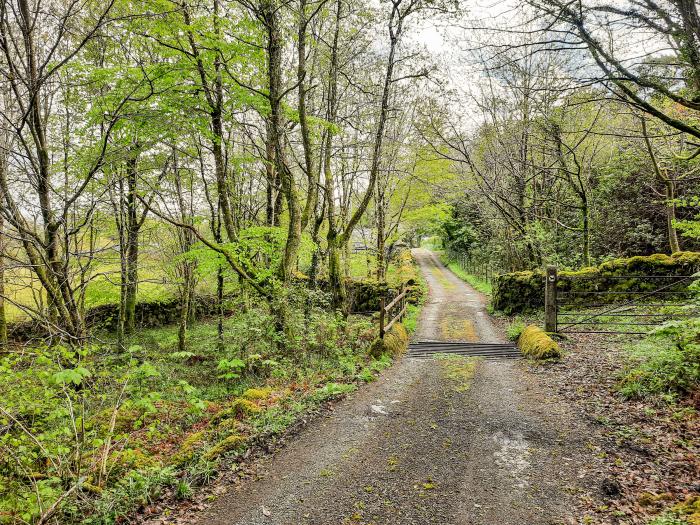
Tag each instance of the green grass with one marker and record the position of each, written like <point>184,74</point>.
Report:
<point>478,283</point>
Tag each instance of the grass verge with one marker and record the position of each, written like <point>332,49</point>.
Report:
<point>476,282</point>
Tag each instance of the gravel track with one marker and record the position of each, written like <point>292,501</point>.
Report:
<point>438,441</point>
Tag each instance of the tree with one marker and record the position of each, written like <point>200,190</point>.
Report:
<point>668,68</point>
<point>37,45</point>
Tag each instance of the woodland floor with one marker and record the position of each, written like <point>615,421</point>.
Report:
<point>444,441</point>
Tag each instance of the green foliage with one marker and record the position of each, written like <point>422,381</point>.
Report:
<point>152,394</point>
<point>665,364</point>
<point>332,390</point>
<point>136,489</point>
<point>514,329</point>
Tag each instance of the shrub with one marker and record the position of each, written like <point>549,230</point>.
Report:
<point>536,344</point>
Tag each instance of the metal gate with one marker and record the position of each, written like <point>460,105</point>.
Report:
<point>635,310</point>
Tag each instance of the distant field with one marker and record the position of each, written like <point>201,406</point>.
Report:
<point>156,281</point>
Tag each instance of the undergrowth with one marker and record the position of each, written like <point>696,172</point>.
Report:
<point>99,433</point>
<point>666,363</point>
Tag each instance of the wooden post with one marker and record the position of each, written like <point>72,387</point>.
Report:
<point>550,299</point>
<point>382,304</point>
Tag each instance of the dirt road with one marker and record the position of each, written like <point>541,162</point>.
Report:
<point>443,441</point>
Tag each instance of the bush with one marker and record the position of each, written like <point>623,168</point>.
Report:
<point>536,344</point>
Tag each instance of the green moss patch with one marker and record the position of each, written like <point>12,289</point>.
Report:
<point>535,343</point>
<point>395,342</point>
<point>239,408</point>
<point>232,443</point>
<point>254,394</point>
<point>459,370</point>
<point>190,446</point>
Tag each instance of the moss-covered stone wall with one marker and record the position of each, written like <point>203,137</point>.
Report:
<point>364,296</point>
<point>524,291</point>
<point>365,293</point>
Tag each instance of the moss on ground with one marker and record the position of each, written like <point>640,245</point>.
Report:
<point>458,330</point>
<point>535,343</point>
<point>459,370</point>
<point>190,446</point>
<point>238,408</point>
<point>232,443</point>
<point>254,394</point>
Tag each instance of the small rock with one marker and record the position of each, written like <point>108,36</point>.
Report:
<point>378,409</point>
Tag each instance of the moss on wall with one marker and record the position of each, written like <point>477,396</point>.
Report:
<point>524,291</point>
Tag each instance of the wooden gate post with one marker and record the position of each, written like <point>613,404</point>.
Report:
<point>382,304</point>
<point>550,299</point>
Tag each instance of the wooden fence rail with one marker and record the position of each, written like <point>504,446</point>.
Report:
<point>397,303</point>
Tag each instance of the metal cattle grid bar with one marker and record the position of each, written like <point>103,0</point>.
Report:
<point>427,349</point>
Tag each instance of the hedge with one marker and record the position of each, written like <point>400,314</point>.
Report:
<point>524,291</point>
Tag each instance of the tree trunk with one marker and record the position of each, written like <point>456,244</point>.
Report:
<point>335,278</point>
<point>670,189</point>
<point>3,314</point>
<point>381,237</point>
<point>184,312</point>
<point>132,246</point>
<point>586,230</point>
<point>275,47</point>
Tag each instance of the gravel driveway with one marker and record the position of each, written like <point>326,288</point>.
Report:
<point>437,441</point>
